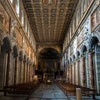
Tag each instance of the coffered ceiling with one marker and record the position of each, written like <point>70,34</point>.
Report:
<point>49,20</point>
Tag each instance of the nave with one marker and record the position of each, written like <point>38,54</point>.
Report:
<point>55,41</point>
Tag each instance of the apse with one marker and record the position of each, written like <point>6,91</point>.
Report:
<point>49,53</point>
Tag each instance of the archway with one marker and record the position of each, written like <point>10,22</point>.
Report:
<point>93,42</point>
<point>78,54</point>
<point>5,62</point>
<point>84,49</point>
<point>78,68</point>
<point>48,53</point>
<point>20,66</point>
<point>94,60</point>
<point>15,55</point>
<point>6,47</point>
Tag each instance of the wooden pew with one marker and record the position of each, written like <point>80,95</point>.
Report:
<point>23,88</point>
<point>71,89</point>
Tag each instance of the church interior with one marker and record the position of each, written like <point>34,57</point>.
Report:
<point>49,49</point>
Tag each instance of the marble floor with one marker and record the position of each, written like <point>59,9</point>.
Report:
<point>48,92</point>
<point>44,92</point>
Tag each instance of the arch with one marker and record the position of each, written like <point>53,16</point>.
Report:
<point>84,49</point>
<point>73,57</point>
<point>70,59</point>
<point>49,53</point>
<point>57,48</point>
<point>94,41</point>
<point>77,54</point>
<point>20,55</point>
<point>6,47</point>
<point>15,51</point>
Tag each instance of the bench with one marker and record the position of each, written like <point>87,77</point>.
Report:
<point>23,88</point>
<point>71,88</point>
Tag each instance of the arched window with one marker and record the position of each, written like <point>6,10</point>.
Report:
<point>26,25</point>
<point>11,1</point>
<point>22,17</point>
<point>17,7</point>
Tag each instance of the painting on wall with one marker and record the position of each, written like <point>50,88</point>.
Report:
<point>18,37</point>
<point>80,38</point>
<point>4,19</point>
<point>95,19</point>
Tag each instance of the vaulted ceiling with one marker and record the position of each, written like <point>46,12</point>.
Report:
<point>49,20</point>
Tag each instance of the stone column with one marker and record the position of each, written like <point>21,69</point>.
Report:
<point>20,70</point>
<point>24,71</point>
<point>76,72</point>
<point>83,71</point>
<point>15,71</point>
<point>91,71</point>
<point>71,74</point>
<point>29,72</point>
<point>7,70</point>
<point>79,71</point>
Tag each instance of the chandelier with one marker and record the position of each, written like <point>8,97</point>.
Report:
<point>49,2</point>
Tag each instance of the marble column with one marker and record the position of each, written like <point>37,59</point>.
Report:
<point>24,71</point>
<point>91,71</point>
<point>29,72</point>
<point>79,71</point>
<point>7,70</point>
<point>15,71</point>
<point>20,71</point>
<point>82,71</point>
<point>76,72</point>
<point>71,74</point>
